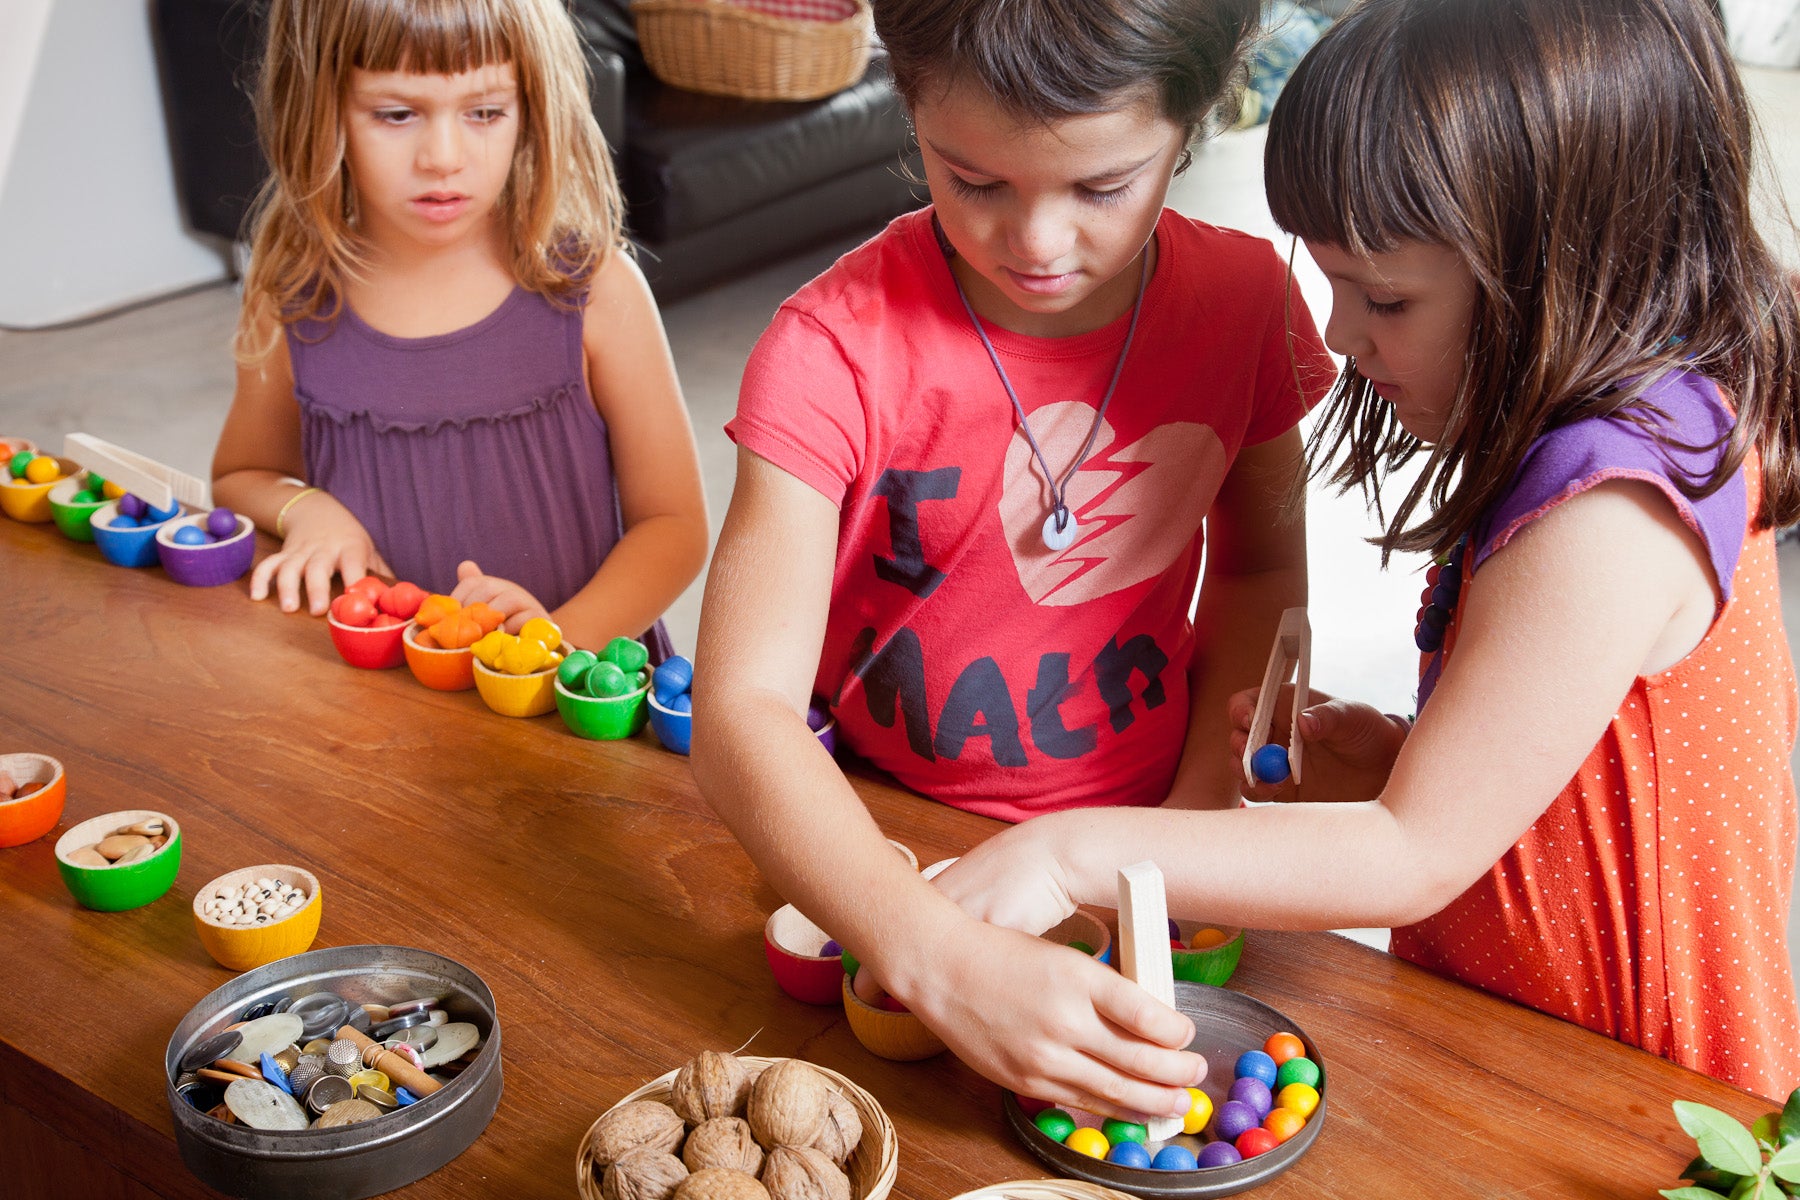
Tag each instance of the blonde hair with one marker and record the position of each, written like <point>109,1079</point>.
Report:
<point>560,208</point>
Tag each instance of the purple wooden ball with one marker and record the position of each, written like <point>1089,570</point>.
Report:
<point>1219,1154</point>
<point>831,949</point>
<point>1254,1092</point>
<point>1233,1117</point>
<point>132,506</point>
<point>221,522</point>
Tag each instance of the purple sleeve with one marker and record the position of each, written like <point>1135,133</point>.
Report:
<point>1568,461</point>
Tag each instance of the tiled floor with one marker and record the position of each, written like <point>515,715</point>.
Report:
<point>158,379</point>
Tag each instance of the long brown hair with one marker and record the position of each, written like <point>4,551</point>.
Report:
<point>1590,161</point>
<point>1049,59</point>
<point>560,208</point>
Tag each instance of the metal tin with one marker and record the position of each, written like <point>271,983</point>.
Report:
<point>1226,1024</point>
<point>356,1160</point>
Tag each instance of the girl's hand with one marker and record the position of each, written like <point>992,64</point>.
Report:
<point>323,539</point>
<point>1013,879</point>
<point>1051,1023</point>
<point>1349,747</point>
<point>512,601</point>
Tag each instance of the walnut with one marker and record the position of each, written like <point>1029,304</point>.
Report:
<point>842,1130</point>
<point>715,1183</point>
<point>643,1174</point>
<point>803,1173</point>
<point>712,1085</point>
<point>788,1104</point>
<point>723,1142</point>
<point>634,1124</point>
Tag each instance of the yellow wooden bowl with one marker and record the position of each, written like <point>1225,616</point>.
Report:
<point>530,695</point>
<point>872,1166</point>
<point>25,501</point>
<point>240,947</point>
<point>899,1036</point>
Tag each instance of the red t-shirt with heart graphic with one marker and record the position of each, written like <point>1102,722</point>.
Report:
<point>961,655</point>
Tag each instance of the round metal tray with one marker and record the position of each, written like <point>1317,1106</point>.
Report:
<point>350,1161</point>
<point>1226,1024</point>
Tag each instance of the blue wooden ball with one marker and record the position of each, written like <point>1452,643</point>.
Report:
<point>1270,764</point>
<point>1129,1154</point>
<point>1255,1064</point>
<point>190,535</point>
<point>1174,1158</point>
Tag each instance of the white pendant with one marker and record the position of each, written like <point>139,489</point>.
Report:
<point>1061,539</point>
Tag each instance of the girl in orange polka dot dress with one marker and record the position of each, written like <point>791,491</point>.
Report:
<point>1535,219</point>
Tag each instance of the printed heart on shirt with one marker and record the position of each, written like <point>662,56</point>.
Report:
<point>1139,505</point>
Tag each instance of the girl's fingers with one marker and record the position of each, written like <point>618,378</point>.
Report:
<point>319,570</point>
<point>1138,1014</point>
<point>287,583</point>
<point>259,578</point>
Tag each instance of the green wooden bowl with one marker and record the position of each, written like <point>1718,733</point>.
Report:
<point>116,888</point>
<point>604,718</point>
<point>1214,964</point>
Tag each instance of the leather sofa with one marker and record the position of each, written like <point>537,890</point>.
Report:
<point>713,186</point>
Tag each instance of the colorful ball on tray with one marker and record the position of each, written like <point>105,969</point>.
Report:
<point>1053,1123</point>
<point>1200,1111</point>
<point>1233,1117</point>
<point>1257,1064</point>
<point>1283,1046</point>
<point>1117,1131</point>
<point>1219,1154</point>
<point>1088,1141</point>
<point>1297,1070</point>
<point>1129,1154</point>
<point>1254,1092</point>
<point>1174,1158</point>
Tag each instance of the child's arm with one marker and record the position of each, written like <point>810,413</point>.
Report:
<point>1255,569</point>
<point>1092,1040</point>
<point>1608,586</point>
<point>256,469</point>
<point>655,464</point>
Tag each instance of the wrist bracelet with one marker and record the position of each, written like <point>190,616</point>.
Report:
<point>281,516</point>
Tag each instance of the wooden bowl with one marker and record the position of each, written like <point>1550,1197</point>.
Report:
<point>603,718</point>
<point>28,818</point>
<point>23,500</point>
<point>209,564</point>
<point>794,947</point>
<point>530,695</point>
<point>123,545</point>
<point>116,888</point>
<point>1084,927</point>
<point>371,647</point>
<point>872,1166</point>
<point>899,1036</point>
<point>240,947</point>
<point>435,667</point>
<point>72,516</point>
<point>1213,964</point>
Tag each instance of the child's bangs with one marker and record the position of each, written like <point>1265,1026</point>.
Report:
<point>428,37</point>
<point>1347,161</point>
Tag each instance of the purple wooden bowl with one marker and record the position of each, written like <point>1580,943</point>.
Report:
<point>211,564</point>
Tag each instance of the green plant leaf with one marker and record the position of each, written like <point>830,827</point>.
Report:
<point>1786,1163</point>
<point>1689,1193</point>
<point>1789,1125</point>
<point>1725,1143</point>
<point>1767,1189</point>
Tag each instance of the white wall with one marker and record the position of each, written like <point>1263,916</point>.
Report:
<point>88,215</point>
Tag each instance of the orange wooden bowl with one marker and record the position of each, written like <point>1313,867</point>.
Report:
<point>1084,927</point>
<point>899,1036</point>
<point>29,818</point>
<point>435,667</point>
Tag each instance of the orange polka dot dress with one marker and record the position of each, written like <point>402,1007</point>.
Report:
<point>1649,902</point>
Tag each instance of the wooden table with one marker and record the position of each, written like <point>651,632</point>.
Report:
<point>618,924</point>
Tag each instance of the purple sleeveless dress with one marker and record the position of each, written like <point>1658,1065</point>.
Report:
<point>479,444</point>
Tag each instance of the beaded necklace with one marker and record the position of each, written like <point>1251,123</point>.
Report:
<point>1443,583</point>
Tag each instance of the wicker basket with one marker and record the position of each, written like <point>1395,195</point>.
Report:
<point>1044,1189</point>
<point>872,1166</point>
<point>751,51</point>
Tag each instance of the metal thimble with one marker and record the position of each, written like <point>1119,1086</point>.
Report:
<point>343,1058</point>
